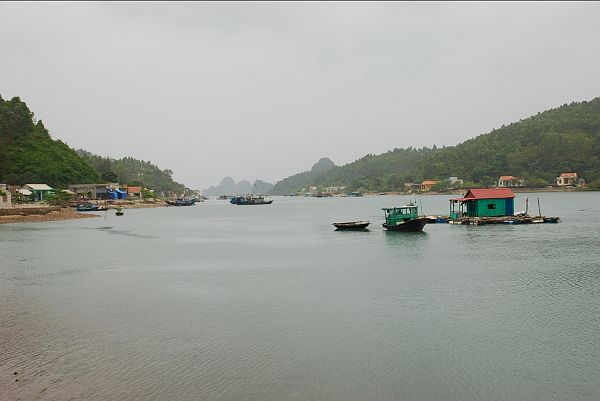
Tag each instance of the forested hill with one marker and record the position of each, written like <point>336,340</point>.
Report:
<point>539,148</point>
<point>29,155</point>
<point>298,181</point>
<point>132,172</point>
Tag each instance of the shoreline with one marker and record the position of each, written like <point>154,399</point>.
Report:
<point>42,213</point>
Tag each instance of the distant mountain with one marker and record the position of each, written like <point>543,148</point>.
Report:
<point>261,187</point>
<point>229,187</point>
<point>296,182</point>
<point>538,149</point>
<point>243,187</point>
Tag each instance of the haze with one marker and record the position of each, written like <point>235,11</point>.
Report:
<point>263,90</point>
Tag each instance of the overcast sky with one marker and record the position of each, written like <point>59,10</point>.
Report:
<point>263,90</point>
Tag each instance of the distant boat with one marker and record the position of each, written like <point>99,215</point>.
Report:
<point>351,225</point>
<point>119,211</point>
<point>404,218</point>
<point>89,207</point>
<point>249,200</point>
<point>182,202</point>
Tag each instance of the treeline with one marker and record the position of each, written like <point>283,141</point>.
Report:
<point>29,155</point>
<point>538,149</point>
<point>132,172</point>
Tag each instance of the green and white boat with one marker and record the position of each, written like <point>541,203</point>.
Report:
<point>404,218</point>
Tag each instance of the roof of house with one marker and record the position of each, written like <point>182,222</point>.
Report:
<point>429,182</point>
<point>24,191</point>
<point>507,178</point>
<point>569,175</point>
<point>492,193</point>
<point>39,187</point>
<point>134,190</point>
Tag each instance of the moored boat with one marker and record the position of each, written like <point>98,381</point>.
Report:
<point>181,202</point>
<point>351,225</point>
<point>89,207</point>
<point>404,218</point>
<point>249,200</point>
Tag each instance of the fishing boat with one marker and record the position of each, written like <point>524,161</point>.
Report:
<point>181,202</point>
<point>404,218</point>
<point>89,207</point>
<point>351,225</point>
<point>119,211</point>
<point>249,200</point>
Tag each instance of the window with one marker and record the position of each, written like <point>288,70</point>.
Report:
<point>491,206</point>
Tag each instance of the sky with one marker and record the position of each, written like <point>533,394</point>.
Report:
<point>263,90</point>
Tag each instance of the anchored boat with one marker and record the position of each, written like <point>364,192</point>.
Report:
<point>404,218</point>
<point>250,200</point>
<point>351,225</point>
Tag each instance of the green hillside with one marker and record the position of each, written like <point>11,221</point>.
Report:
<point>298,181</point>
<point>133,172</point>
<point>539,148</point>
<point>29,155</point>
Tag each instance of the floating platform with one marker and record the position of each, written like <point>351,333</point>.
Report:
<point>480,221</point>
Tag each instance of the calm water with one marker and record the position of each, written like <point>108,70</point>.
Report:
<point>224,302</point>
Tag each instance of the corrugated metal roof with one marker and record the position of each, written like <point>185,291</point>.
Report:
<point>24,191</point>
<point>39,187</point>
<point>492,193</point>
<point>569,175</point>
<point>507,178</point>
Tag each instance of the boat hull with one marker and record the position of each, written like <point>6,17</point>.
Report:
<point>410,225</point>
<point>352,225</point>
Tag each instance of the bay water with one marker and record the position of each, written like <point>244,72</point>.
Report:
<point>224,302</point>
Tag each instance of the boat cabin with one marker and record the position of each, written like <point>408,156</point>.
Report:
<point>394,215</point>
<point>483,203</point>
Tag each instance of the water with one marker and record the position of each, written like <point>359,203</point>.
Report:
<point>224,302</point>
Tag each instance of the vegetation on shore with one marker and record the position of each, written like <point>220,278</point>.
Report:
<point>538,149</point>
<point>29,155</point>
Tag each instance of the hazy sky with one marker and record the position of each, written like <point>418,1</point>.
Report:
<point>263,90</point>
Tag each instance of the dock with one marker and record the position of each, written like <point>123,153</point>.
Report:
<point>480,221</point>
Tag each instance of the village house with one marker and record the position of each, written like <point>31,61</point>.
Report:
<point>36,191</point>
<point>492,202</point>
<point>5,196</point>
<point>427,184</point>
<point>509,181</point>
<point>455,181</point>
<point>134,192</point>
<point>569,180</point>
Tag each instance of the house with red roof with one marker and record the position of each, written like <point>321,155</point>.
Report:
<point>569,180</point>
<point>427,184</point>
<point>509,181</point>
<point>493,202</point>
<point>134,192</point>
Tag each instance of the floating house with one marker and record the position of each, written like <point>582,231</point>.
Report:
<point>494,202</point>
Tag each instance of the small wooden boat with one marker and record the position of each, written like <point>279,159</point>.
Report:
<point>119,211</point>
<point>351,225</point>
